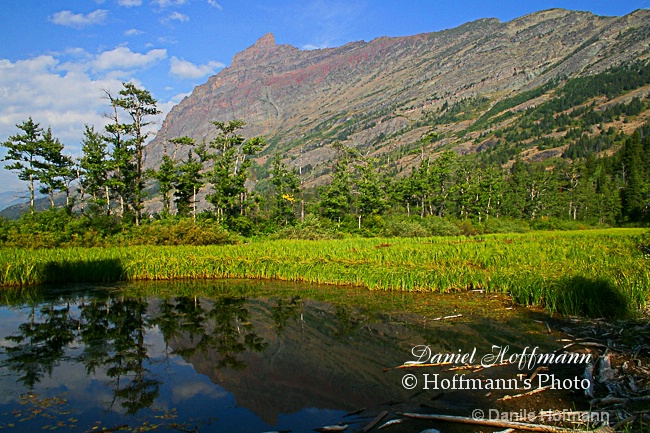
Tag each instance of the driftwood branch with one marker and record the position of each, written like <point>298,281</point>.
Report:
<point>617,400</point>
<point>374,422</point>
<point>494,423</point>
<point>535,391</point>
<point>454,316</point>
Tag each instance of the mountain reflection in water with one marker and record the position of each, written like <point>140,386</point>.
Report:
<point>240,355</point>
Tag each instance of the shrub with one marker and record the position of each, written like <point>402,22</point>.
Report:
<point>505,225</point>
<point>174,231</point>
<point>467,228</point>
<point>549,223</point>
<point>437,226</point>
<point>313,228</point>
<point>404,227</point>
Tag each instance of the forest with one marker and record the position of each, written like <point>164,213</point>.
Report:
<point>602,178</point>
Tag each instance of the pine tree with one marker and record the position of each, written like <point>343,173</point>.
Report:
<point>187,183</point>
<point>27,151</point>
<point>140,105</point>
<point>94,168</point>
<point>337,198</point>
<point>229,152</point>
<point>56,168</point>
<point>371,198</point>
<point>287,190</point>
<point>632,195</point>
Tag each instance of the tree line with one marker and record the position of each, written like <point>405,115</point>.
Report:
<point>110,179</point>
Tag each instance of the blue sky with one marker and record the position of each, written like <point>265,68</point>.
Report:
<point>56,56</point>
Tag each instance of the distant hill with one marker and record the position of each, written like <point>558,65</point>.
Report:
<point>20,205</point>
<point>11,198</point>
<point>406,98</point>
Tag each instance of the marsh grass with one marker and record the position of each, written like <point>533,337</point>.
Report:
<point>596,272</point>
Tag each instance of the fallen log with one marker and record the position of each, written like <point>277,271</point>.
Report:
<point>535,391</point>
<point>374,422</point>
<point>494,423</point>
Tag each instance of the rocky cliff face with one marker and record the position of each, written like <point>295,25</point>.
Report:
<point>370,94</point>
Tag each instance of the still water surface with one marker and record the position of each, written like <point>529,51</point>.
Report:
<point>225,356</point>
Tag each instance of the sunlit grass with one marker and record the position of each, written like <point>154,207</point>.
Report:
<point>596,272</point>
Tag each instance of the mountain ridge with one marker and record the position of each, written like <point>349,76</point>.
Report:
<point>370,94</point>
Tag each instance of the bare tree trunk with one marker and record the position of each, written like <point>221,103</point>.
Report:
<point>302,210</point>
<point>108,201</point>
<point>194,206</point>
<point>31,193</point>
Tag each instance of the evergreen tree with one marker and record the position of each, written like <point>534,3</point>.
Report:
<point>188,178</point>
<point>56,168</point>
<point>632,195</point>
<point>140,106</point>
<point>371,199</point>
<point>337,198</point>
<point>489,192</point>
<point>287,189</point>
<point>121,181</point>
<point>27,151</point>
<point>94,168</point>
<point>228,152</point>
<point>442,178</point>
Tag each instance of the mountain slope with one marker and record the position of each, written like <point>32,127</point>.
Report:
<point>386,94</point>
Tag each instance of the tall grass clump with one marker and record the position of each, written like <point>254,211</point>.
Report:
<point>595,272</point>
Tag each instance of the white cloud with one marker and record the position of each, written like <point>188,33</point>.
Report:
<point>214,4</point>
<point>67,18</point>
<point>311,47</point>
<point>186,390</point>
<point>177,16</point>
<point>187,70</point>
<point>64,90</point>
<point>64,100</point>
<point>67,94</point>
<point>129,3</point>
<point>133,32</point>
<point>124,58</point>
<point>167,3</point>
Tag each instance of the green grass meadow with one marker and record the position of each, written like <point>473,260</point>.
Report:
<point>599,273</point>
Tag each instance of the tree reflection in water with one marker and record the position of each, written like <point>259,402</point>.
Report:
<point>112,333</point>
<point>284,312</point>
<point>40,343</point>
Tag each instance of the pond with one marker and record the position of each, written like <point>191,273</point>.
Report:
<point>247,356</point>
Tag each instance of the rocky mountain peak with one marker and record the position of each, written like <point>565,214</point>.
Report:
<point>385,95</point>
<point>256,52</point>
<point>268,40</point>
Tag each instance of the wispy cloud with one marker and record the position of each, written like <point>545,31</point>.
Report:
<point>330,21</point>
<point>311,47</point>
<point>167,3</point>
<point>65,100</point>
<point>133,32</point>
<point>124,58</point>
<point>214,4</point>
<point>177,16</point>
<point>64,90</point>
<point>129,3</point>
<point>67,18</point>
<point>187,70</point>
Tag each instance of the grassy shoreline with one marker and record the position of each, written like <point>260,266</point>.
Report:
<point>595,272</point>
